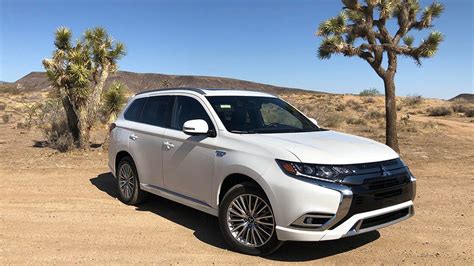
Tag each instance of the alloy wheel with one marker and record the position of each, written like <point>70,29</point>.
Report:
<point>250,220</point>
<point>126,181</point>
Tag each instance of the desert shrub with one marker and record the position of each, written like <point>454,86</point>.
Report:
<point>469,113</point>
<point>405,119</point>
<point>58,136</point>
<point>409,129</point>
<point>459,108</point>
<point>355,105</point>
<point>340,107</point>
<point>3,106</point>
<point>370,92</point>
<point>356,121</point>
<point>439,111</point>
<point>51,118</point>
<point>374,115</point>
<point>31,112</point>
<point>6,118</point>
<point>328,118</point>
<point>9,88</point>
<point>413,100</point>
<point>368,100</point>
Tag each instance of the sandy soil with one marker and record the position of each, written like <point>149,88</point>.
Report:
<point>62,208</point>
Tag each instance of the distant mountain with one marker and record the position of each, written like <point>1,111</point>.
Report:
<point>468,97</point>
<point>137,82</point>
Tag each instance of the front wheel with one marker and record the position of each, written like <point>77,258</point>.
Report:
<point>247,222</point>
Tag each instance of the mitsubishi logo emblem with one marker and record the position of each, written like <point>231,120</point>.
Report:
<point>384,170</point>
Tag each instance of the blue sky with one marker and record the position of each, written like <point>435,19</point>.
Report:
<point>266,41</point>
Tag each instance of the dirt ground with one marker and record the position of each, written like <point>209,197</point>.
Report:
<point>61,208</point>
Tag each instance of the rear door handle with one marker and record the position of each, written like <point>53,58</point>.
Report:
<point>133,137</point>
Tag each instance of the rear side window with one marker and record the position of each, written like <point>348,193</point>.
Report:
<point>133,112</point>
<point>157,111</point>
<point>188,108</point>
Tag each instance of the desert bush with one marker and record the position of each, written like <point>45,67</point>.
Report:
<point>6,118</point>
<point>439,111</point>
<point>469,112</point>
<point>9,88</point>
<point>459,108</point>
<point>58,136</point>
<point>31,112</point>
<point>340,107</point>
<point>368,100</point>
<point>409,129</point>
<point>356,121</point>
<point>405,119</point>
<point>3,106</point>
<point>50,118</point>
<point>327,118</point>
<point>374,115</point>
<point>370,92</point>
<point>411,100</point>
<point>355,105</point>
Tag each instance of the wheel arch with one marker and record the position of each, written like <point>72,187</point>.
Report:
<point>120,155</point>
<point>239,178</point>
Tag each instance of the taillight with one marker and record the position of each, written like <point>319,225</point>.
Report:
<point>112,126</point>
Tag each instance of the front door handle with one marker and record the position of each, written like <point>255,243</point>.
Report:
<point>133,137</point>
<point>168,145</point>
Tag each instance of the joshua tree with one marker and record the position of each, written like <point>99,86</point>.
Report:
<point>166,83</point>
<point>78,73</point>
<point>357,31</point>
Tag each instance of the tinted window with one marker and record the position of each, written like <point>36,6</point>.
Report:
<point>133,112</point>
<point>186,109</point>
<point>157,111</point>
<point>245,114</point>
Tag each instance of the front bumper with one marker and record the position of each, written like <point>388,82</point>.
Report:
<point>358,204</point>
<point>349,227</point>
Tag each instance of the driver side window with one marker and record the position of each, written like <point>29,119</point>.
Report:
<point>187,108</point>
<point>274,114</point>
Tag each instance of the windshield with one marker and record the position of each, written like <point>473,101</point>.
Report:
<point>247,115</point>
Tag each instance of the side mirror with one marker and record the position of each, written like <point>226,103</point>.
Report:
<point>195,127</point>
<point>314,121</point>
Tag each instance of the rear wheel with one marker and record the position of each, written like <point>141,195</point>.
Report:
<point>247,222</point>
<point>128,183</point>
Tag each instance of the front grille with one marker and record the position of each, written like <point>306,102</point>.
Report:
<point>379,183</point>
<point>385,218</point>
<point>375,189</point>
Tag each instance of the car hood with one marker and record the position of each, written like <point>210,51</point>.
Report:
<point>326,147</point>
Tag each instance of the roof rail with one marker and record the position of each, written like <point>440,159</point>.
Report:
<point>174,89</point>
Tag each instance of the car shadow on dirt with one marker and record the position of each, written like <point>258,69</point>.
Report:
<point>206,227</point>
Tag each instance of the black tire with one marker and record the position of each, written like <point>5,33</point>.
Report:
<point>261,248</point>
<point>135,195</point>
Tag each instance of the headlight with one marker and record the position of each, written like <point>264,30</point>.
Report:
<point>331,173</point>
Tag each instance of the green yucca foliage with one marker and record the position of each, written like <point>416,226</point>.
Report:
<point>114,99</point>
<point>78,72</point>
<point>357,21</point>
<point>360,30</point>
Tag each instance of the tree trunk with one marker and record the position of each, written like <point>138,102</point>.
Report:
<point>94,101</point>
<point>71,117</point>
<point>84,129</point>
<point>391,112</point>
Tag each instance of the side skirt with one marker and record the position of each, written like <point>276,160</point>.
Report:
<point>185,200</point>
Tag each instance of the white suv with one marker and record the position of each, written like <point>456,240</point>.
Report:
<point>268,172</point>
